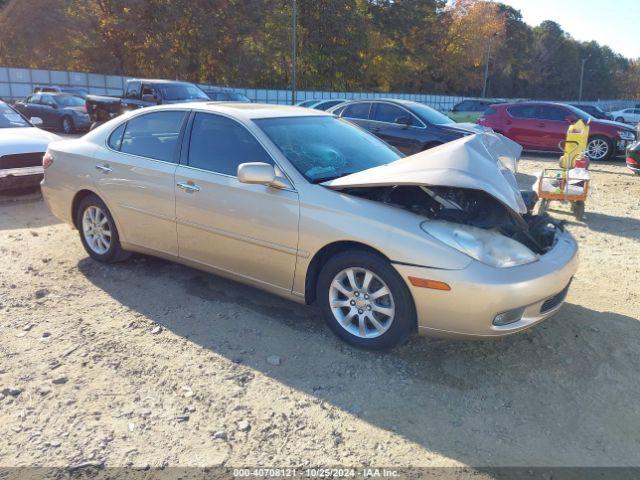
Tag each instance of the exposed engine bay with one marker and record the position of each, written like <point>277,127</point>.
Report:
<point>469,207</point>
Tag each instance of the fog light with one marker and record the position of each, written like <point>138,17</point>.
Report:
<point>510,316</point>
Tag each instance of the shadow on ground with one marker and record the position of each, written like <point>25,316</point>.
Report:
<point>17,207</point>
<point>563,393</point>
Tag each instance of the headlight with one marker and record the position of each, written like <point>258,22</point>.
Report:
<point>486,246</point>
<point>626,135</point>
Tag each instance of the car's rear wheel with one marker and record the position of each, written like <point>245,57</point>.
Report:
<point>599,148</point>
<point>620,119</point>
<point>365,301</point>
<point>66,125</point>
<point>98,231</point>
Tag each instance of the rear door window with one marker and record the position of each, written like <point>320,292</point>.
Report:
<point>357,111</point>
<point>154,135</point>
<point>385,112</point>
<point>522,111</point>
<point>551,113</point>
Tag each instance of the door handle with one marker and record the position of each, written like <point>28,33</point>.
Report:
<point>104,168</point>
<point>188,187</point>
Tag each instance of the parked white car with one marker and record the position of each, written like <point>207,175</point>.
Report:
<point>22,146</point>
<point>628,115</point>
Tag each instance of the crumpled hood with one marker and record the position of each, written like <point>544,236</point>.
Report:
<point>485,161</point>
<point>25,140</point>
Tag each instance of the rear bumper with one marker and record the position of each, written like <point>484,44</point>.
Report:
<point>14,178</point>
<point>479,293</point>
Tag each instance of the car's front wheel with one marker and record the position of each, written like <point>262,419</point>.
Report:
<point>365,301</point>
<point>98,231</point>
<point>599,148</point>
<point>620,120</point>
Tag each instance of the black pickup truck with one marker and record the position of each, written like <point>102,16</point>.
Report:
<point>139,94</point>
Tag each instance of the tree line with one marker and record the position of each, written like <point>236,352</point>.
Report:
<point>431,46</point>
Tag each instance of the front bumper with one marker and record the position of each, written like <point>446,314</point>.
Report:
<point>479,293</point>
<point>16,178</point>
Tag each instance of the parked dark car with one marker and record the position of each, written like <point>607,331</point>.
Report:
<point>308,103</point>
<point>543,125</point>
<point>595,112</point>
<point>77,91</point>
<point>327,104</point>
<point>409,126</point>
<point>58,111</point>
<point>633,158</point>
<point>142,93</point>
<point>226,96</point>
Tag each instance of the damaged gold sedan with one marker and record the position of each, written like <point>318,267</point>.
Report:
<point>311,207</point>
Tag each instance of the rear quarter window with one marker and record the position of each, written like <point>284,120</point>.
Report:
<point>115,139</point>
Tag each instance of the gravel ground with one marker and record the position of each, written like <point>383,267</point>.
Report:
<point>148,363</point>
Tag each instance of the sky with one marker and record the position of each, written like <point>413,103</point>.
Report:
<point>615,23</point>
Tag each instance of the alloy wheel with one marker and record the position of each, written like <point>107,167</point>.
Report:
<point>597,149</point>
<point>96,229</point>
<point>361,302</point>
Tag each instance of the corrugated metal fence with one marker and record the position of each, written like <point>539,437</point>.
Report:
<point>16,83</point>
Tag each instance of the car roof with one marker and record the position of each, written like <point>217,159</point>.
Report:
<point>530,102</point>
<point>58,94</point>
<point>158,80</point>
<point>247,111</point>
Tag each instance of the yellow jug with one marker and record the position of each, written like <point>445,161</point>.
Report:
<point>575,145</point>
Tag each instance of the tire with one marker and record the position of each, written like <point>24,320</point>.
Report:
<point>599,148</point>
<point>360,312</point>
<point>620,120</point>
<point>107,250</point>
<point>66,125</point>
<point>578,210</point>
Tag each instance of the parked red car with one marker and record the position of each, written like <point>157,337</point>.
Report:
<point>542,125</point>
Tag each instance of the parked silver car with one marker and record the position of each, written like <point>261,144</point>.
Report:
<point>311,207</point>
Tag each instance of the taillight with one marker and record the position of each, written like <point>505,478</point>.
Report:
<point>47,160</point>
<point>632,161</point>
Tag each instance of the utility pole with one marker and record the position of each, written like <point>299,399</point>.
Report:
<point>584,60</point>
<point>486,66</point>
<point>294,27</point>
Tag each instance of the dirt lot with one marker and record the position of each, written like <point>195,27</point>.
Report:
<point>151,363</point>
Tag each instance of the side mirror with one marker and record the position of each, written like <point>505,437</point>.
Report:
<point>149,98</point>
<point>36,121</point>
<point>405,121</point>
<point>260,173</point>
